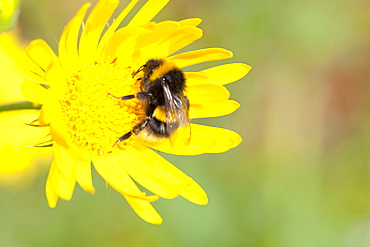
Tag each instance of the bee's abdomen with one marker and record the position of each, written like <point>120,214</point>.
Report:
<point>157,128</point>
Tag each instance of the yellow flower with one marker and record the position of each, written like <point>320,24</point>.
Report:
<point>16,157</point>
<point>85,120</point>
<point>9,10</point>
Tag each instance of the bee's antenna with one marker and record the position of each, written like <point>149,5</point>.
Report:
<point>139,70</point>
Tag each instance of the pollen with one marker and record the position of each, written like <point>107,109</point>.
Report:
<point>95,119</point>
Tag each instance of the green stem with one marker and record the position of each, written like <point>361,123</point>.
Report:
<point>18,105</point>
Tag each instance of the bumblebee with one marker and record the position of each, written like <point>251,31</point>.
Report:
<point>166,107</point>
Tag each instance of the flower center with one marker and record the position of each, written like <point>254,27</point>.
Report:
<point>95,118</point>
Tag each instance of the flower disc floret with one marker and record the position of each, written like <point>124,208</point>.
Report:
<point>94,117</point>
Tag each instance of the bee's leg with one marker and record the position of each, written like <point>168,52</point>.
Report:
<point>140,126</point>
<point>140,95</point>
<point>124,137</point>
<point>123,97</point>
<point>137,129</point>
<point>144,96</point>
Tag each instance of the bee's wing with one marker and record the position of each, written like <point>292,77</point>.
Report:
<point>176,108</point>
<point>183,131</point>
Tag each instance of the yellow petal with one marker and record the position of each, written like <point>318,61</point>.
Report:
<point>112,28</point>
<point>204,139</point>
<point>112,172</point>
<point>155,42</point>
<point>64,163</point>
<point>83,176</point>
<point>12,60</point>
<point>51,195</point>
<point>16,157</point>
<point>156,174</point>
<point>145,175</point>
<point>58,130</point>
<point>207,93</point>
<point>41,53</point>
<point>147,12</point>
<point>200,56</point>
<point>184,37</point>
<point>119,37</point>
<point>125,51</point>
<point>56,78</point>
<point>9,11</point>
<point>144,210</point>
<point>165,38</point>
<point>45,67</point>
<point>62,185</point>
<point>195,194</point>
<point>191,22</point>
<point>65,188</point>
<point>161,168</point>
<point>67,47</point>
<point>93,29</point>
<point>213,109</point>
<point>220,75</point>
<point>43,119</point>
<point>34,92</point>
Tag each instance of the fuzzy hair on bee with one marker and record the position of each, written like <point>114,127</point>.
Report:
<point>162,87</point>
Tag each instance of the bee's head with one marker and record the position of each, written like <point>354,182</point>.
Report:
<point>150,66</point>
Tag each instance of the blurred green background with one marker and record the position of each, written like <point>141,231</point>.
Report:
<point>301,177</point>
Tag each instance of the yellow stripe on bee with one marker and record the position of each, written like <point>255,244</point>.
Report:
<point>161,70</point>
<point>160,114</point>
